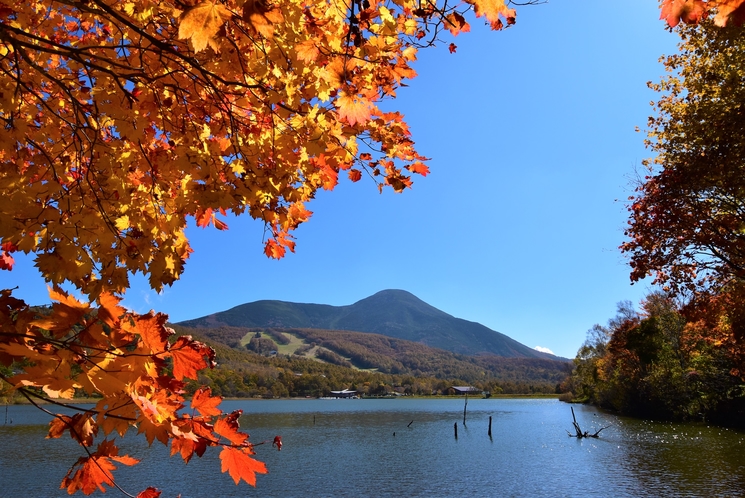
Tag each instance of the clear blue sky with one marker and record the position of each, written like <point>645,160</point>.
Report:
<point>531,135</point>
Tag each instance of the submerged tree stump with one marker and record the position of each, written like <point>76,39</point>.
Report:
<point>578,431</point>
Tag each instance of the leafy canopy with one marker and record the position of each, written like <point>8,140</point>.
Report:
<point>687,220</point>
<point>122,119</point>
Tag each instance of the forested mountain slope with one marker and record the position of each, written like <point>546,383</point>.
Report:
<point>393,313</point>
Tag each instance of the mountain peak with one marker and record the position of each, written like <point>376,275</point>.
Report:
<point>391,312</point>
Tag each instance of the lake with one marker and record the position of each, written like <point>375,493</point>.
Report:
<point>348,448</point>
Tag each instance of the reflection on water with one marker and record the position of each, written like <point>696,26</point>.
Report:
<point>406,447</point>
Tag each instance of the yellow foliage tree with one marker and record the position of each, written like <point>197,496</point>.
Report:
<point>123,119</point>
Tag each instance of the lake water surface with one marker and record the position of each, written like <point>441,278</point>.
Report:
<point>348,448</point>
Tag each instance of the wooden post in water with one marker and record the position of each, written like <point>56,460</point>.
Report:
<point>489,425</point>
<point>455,428</point>
<point>464,410</point>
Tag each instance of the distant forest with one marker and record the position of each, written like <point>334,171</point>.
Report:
<point>249,365</point>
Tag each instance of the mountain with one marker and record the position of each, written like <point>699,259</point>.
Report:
<point>393,313</point>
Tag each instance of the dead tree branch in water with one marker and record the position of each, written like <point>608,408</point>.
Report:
<point>578,431</point>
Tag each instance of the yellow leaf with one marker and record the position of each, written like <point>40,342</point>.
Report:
<point>201,23</point>
<point>262,17</point>
<point>122,223</point>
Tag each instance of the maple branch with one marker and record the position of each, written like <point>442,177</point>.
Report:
<point>79,439</point>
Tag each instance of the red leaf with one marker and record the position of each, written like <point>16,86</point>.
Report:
<point>452,48</point>
<point>239,465</point>
<point>9,246</point>
<point>354,175</point>
<point>277,442</point>
<point>6,261</point>
<point>149,493</point>
<point>205,404</point>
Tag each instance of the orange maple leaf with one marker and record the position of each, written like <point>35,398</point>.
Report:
<point>354,109</point>
<point>201,23</point>
<point>188,445</point>
<point>354,174</point>
<point>493,10</point>
<point>204,403</point>
<point>456,23</point>
<point>730,12</point>
<point>203,217</point>
<point>419,168</point>
<point>262,16</point>
<point>189,357</point>
<point>109,310</point>
<point>689,11</point>
<point>95,471</point>
<point>307,51</point>
<point>228,427</point>
<point>239,465</point>
<point>274,250</point>
<point>153,331</point>
<point>81,426</point>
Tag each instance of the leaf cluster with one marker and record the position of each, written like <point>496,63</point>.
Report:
<point>136,369</point>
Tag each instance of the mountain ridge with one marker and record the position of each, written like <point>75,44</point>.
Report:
<point>393,312</point>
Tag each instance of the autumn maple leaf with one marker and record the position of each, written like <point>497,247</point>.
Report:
<point>262,16</point>
<point>149,493</point>
<point>96,470</point>
<point>419,168</point>
<point>274,250</point>
<point>204,403</point>
<point>201,23</point>
<point>307,51</point>
<point>354,109</point>
<point>730,12</point>
<point>493,11</point>
<point>6,261</point>
<point>228,427</point>
<point>189,357</point>
<point>689,11</point>
<point>354,174</point>
<point>153,332</point>
<point>456,23</point>
<point>239,465</point>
